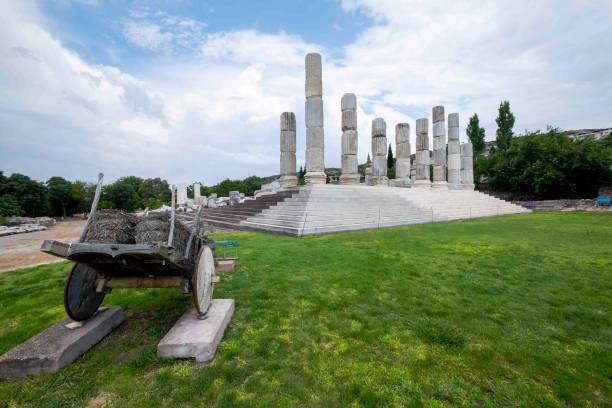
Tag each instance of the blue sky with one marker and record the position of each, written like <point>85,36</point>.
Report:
<point>193,90</point>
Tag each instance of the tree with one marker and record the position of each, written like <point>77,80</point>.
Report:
<point>9,206</point>
<point>82,195</point>
<point>476,135</point>
<point>369,160</point>
<point>551,165</point>
<point>30,194</point>
<point>390,159</point>
<point>154,192</point>
<point>505,123</point>
<point>60,196</point>
<point>121,195</point>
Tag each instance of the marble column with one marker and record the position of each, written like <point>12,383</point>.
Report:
<point>379,152</point>
<point>467,166</point>
<point>287,150</point>
<point>454,152</point>
<point>196,191</point>
<point>350,174</point>
<point>315,140</point>
<point>402,155</point>
<point>439,147</point>
<point>422,154</point>
<point>181,193</point>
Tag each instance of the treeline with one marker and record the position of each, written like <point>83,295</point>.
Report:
<point>57,197</point>
<point>546,165</point>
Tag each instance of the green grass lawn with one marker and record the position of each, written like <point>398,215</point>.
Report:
<point>503,311</point>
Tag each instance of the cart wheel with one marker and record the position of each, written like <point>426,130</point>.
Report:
<point>81,300</point>
<point>202,280</point>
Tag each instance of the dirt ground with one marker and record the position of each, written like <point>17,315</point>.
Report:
<point>18,251</point>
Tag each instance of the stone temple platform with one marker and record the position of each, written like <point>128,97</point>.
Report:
<point>326,208</point>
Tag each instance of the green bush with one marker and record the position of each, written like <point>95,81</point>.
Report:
<point>550,165</point>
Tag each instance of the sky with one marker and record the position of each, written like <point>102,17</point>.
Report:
<point>193,90</point>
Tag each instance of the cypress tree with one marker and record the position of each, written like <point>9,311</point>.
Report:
<point>476,135</point>
<point>505,123</point>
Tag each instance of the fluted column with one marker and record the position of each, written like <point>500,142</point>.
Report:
<point>287,150</point>
<point>454,152</point>
<point>439,147</point>
<point>467,166</point>
<point>379,152</point>
<point>315,140</point>
<point>402,155</point>
<point>350,174</point>
<point>422,153</point>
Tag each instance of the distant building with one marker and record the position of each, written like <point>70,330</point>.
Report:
<point>581,134</point>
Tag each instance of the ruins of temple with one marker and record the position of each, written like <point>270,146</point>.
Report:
<point>441,188</point>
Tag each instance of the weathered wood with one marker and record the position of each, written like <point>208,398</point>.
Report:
<point>56,248</point>
<point>144,282</point>
<point>94,208</point>
<point>172,216</point>
<point>81,300</point>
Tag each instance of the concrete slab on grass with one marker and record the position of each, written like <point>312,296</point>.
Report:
<point>225,265</point>
<point>58,346</point>
<point>193,338</point>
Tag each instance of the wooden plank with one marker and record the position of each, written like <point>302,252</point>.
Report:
<point>56,248</point>
<point>144,282</point>
<point>94,208</point>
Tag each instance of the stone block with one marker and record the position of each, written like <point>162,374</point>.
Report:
<point>453,120</point>
<point>439,173</point>
<point>58,346</point>
<point>313,64</point>
<point>314,112</point>
<point>379,146</point>
<point>454,162</point>
<point>439,130</point>
<point>315,177</point>
<point>194,338</point>
<point>466,149</point>
<point>348,101</point>
<point>379,127</point>
<point>315,138</point>
<point>226,265</point>
<point>439,143</point>
<point>287,141</point>
<point>439,157</point>
<point>349,179</point>
<point>287,121</point>
<point>402,133</point>
<point>467,162</point>
<point>422,157</point>
<point>402,150</point>
<point>288,180</point>
<point>349,120</point>
<point>422,126</point>
<point>454,176</point>
<point>315,160</point>
<point>437,114</point>
<point>402,168</point>
<point>349,142</point>
<point>314,87</point>
<point>349,163</point>
<point>453,134</point>
<point>453,147</point>
<point>379,166</point>
<point>287,163</point>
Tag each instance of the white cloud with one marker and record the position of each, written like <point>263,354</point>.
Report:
<point>162,31</point>
<point>216,114</point>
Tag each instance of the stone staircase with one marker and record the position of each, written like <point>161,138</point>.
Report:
<point>231,216</point>
<point>320,209</point>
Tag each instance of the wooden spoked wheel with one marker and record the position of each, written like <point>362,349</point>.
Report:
<point>202,280</point>
<point>81,300</point>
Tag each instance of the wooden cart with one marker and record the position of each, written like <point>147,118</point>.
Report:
<point>100,267</point>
